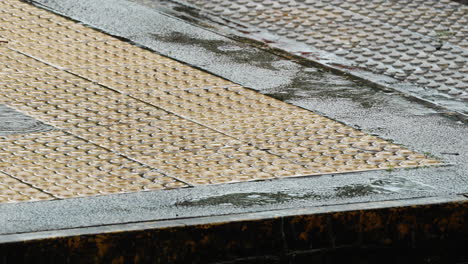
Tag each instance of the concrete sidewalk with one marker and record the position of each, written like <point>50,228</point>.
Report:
<point>418,47</point>
<point>151,121</point>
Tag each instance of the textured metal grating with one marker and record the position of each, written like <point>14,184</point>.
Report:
<point>423,43</point>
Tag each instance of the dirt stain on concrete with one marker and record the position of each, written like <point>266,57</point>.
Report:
<point>249,199</point>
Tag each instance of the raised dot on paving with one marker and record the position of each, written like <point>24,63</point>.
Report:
<point>63,165</point>
<point>129,120</point>
<point>13,190</point>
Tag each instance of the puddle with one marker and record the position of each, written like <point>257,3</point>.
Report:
<point>249,199</point>
<point>292,82</point>
<point>240,54</point>
<point>382,186</point>
<point>229,48</point>
<point>321,84</point>
<point>286,45</point>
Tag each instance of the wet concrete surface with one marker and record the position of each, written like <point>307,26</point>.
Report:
<point>265,196</point>
<point>388,115</point>
<point>281,28</point>
<point>14,122</point>
<point>300,235</point>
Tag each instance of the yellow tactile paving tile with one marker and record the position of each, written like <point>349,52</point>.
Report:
<point>132,120</point>
<point>179,147</point>
<point>23,23</point>
<point>146,78</point>
<point>257,115</point>
<point>297,135</point>
<point>64,165</point>
<point>71,46</point>
<point>118,64</point>
<point>13,190</point>
<point>85,54</point>
<point>12,62</point>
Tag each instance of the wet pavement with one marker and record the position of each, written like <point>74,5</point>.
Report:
<point>419,48</point>
<point>133,120</point>
<point>160,103</point>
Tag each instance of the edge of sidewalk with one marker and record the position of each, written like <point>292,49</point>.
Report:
<point>433,224</point>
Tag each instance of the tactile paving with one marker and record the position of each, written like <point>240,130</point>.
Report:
<point>423,43</point>
<point>132,120</point>
<point>297,135</point>
<point>13,190</point>
<point>64,165</point>
<point>133,128</point>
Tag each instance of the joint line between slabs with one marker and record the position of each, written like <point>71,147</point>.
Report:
<point>40,60</point>
<point>168,111</point>
<point>119,92</point>
<point>29,185</point>
<point>132,159</point>
<point>69,133</point>
<point>159,107</point>
<point>130,96</point>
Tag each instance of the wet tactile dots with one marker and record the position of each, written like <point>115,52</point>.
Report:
<point>424,43</point>
<point>314,144</point>
<point>62,166</point>
<point>13,190</point>
<point>131,120</point>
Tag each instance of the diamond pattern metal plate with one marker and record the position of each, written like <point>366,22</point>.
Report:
<point>131,120</point>
<point>423,43</point>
